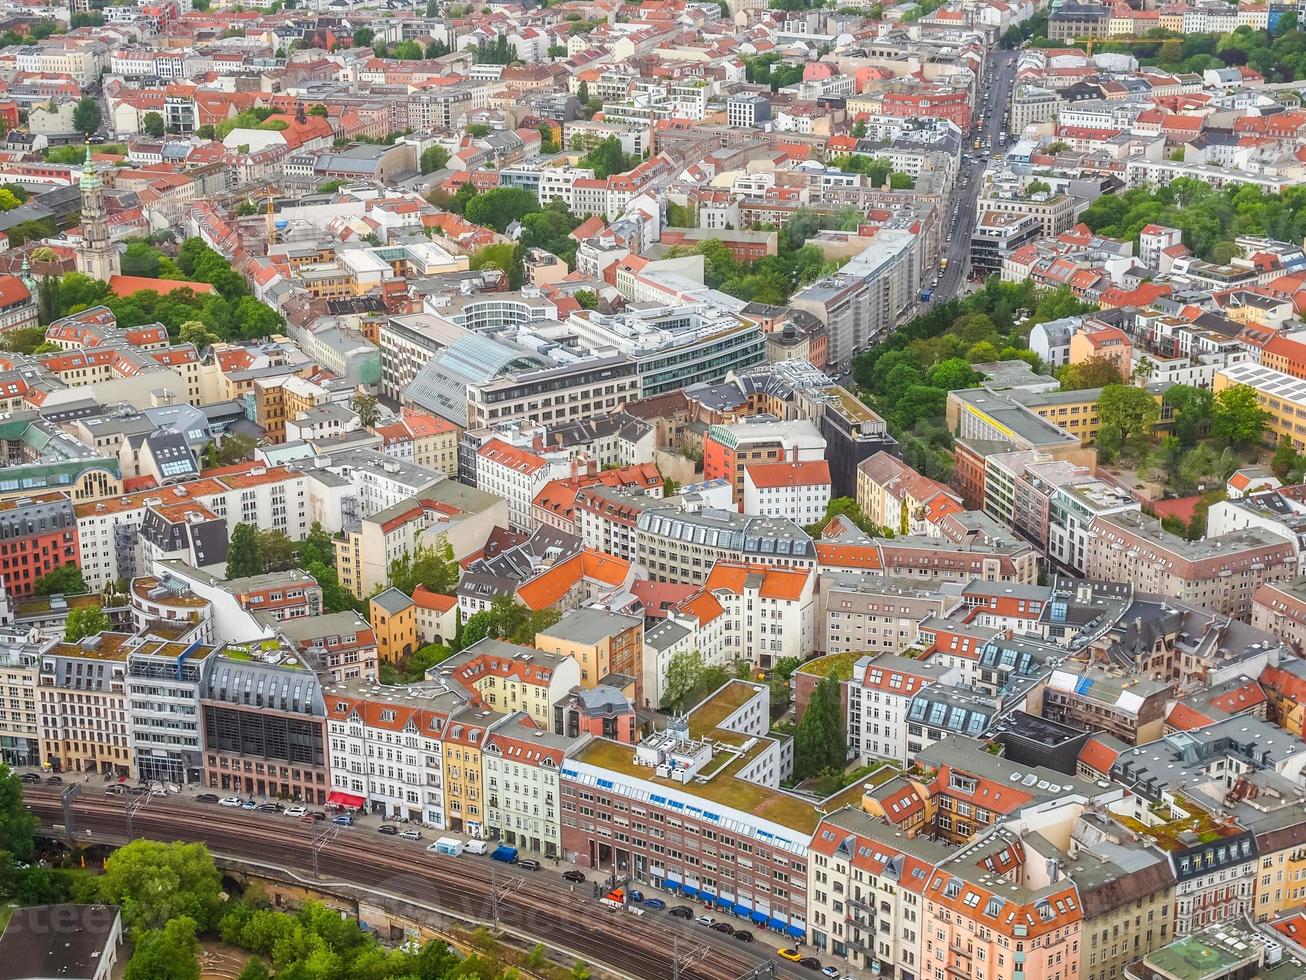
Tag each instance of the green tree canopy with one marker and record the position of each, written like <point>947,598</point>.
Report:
<point>243,556</point>
<point>84,621</point>
<point>1237,417</point>
<point>64,580</point>
<point>166,954</point>
<point>155,883</point>
<point>820,742</point>
<point>86,116</point>
<point>1127,410</point>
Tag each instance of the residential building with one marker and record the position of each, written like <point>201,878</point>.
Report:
<point>83,707</point>
<point>606,645</point>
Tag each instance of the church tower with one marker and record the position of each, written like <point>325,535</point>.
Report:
<point>97,257</point>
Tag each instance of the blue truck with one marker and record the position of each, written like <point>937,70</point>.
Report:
<point>504,853</point>
<point>925,295</point>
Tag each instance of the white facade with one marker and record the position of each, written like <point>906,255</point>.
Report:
<point>805,503</point>
<point>399,773</point>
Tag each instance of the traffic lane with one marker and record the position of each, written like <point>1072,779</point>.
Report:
<point>165,814</point>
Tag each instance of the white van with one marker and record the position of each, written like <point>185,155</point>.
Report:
<point>475,847</point>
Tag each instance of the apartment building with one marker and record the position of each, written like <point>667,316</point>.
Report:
<point>462,744</point>
<point>866,892</point>
<point>384,747</point>
<point>82,704</point>
<point>891,494</point>
<point>511,678</point>
<point>516,475</point>
<point>523,793</point>
<point>729,449</point>
<point>878,698</point>
<point>20,668</point>
<point>874,613</point>
<point>1091,698</point>
<point>1219,574</point>
<point>800,491</point>
<point>606,645</point>
<point>683,546</point>
<point>37,535</point>
<point>1279,608</point>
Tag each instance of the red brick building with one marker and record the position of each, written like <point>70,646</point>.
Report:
<point>37,535</point>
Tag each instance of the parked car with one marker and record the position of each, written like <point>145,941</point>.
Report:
<point>389,829</point>
<point>743,935</point>
<point>137,790</point>
<point>529,864</point>
<point>30,777</point>
<point>810,963</point>
<point>634,896</point>
<point>296,811</point>
<point>203,797</point>
<point>410,834</point>
<point>268,808</point>
<point>576,877</point>
<point>113,789</point>
<point>654,904</point>
<point>235,801</point>
<point>705,920</point>
<point>54,781</point>
<point>345,820</point>
<point>725,927</point>
<point>318,816</point>
<point>249,805</point>
<point>682,911</point>
<point>790,954</point>
<point>831,971</point>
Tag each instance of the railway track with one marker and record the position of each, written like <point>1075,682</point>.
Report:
<point>473,890</point>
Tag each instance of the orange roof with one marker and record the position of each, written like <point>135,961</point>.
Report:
<point>1240,699</point>
<point>775,583</point>
<point>1185,718</point>
<point>521,460</point>
<point>1098,756</point>
<point>548,588</point>
<point>774,475</point>
<point>126,285</point>
<point>833,555</point>
<point>424,598</point>
<point>703,607</point>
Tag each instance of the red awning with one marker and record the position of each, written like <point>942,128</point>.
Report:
<point>346,799</point>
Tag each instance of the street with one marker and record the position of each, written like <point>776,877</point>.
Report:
<point>996,97</point>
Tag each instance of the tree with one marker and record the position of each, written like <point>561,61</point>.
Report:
<point>607,158</point>
<point>140,258</point>
<point>235,448</point>
<point>1237,417</point>
<point>319,110</point>
<point>1038,187</point>
<point>434,568</point>
<point>166,954</point>
<point>683,673</point>
<point>1095,372</point>
<point>84,621</point>
<point>1190,409</point>
<point>500,207</point>
<point>276,549</point>
<point>587,298</point>
<point>785,667</point>
<point>506,619</point>
<point>155,883</point>
<point>86,116</point>
<point>195,332</point>
<point>243,557</point>
<point>952,374</point>
<point>154,125</point>
<point>1285,459</point>
<point>1127,410</point>
<point>17,823</point>
<point>363,37</point>
<point>65,580</point>
<point>366,408</point>
<point>433,158</point>
<point>859,128</point>
<point>820,742</point>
